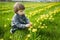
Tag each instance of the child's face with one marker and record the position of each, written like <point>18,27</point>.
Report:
<point>21,12</point>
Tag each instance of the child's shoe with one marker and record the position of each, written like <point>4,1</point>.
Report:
<point>12,31</point>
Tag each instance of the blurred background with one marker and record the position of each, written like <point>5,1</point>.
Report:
<point>43,14</point>
<point>35,0</point>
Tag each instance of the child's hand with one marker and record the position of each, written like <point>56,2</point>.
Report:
<point>28,25</point>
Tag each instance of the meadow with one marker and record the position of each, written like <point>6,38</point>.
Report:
<point>45,19</point>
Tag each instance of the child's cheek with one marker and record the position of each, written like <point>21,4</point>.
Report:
<point>21,13</point>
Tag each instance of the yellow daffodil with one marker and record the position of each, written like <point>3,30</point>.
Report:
<point>45,26</point>
<point>28,35</point>
<point>39,26</point>
<point>36,11</point>
<point>30,13</point>
<point>41,18</point>
<point>5,25</point>
<point>40,23</point>
<point>47,15</point>
<point>37,20</point>
<point>8,19</point>
<point>50,13</point>
<point>26,39</point>
<point>2,39</point>
<point>10,37</point>
<point>45,18</point>
<point>34,30</point>
<point>52,19</point>
<point>30,28</point>
<point>42,27</point>
<point>55,11</point>
<point>34,24</point>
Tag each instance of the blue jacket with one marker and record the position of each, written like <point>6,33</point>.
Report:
<point>19,21</point>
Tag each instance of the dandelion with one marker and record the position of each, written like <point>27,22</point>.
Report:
<point>34,30</point>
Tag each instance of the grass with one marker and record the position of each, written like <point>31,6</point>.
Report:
<point>43,16</point>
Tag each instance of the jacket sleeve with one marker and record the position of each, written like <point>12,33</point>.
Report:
<point>17,23</point>
<point>27,20</point>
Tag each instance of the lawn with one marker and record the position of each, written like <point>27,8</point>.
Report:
<point>45,19</point>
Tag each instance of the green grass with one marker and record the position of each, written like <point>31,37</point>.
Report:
<point>45,19</point>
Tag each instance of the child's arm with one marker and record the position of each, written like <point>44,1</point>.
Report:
<point>18,24</point>
<point>27,20</point>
